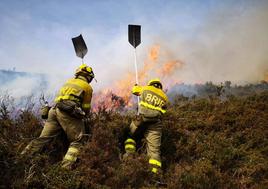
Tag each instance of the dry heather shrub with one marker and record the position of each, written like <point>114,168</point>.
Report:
<point>133,173</point>
<point>99,155</point>
<point>232,137</point>
<point>100,160</point>
<point>199,174</point>
<point>207,143</point>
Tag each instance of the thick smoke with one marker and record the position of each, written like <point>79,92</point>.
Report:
<point>229,43</point>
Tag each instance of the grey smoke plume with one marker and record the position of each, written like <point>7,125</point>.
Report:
<point>229,43</point>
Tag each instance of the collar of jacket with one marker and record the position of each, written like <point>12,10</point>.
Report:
<point>82,78</point>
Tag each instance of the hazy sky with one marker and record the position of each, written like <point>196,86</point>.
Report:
<point>216,40</point>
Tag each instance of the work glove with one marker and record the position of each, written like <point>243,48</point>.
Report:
<point>87,123</point>
<point>44,111</point>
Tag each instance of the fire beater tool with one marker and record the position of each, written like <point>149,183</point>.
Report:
<point>80,47</point>
<point>134,38</point>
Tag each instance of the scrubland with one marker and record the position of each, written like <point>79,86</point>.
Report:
<point>208,142</point>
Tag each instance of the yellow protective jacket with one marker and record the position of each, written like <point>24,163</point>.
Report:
<point>77,90</point>
<point>153,101</point>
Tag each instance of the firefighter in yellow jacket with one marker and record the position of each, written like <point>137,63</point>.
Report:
<point>71,105</point>
<point>152,106</point>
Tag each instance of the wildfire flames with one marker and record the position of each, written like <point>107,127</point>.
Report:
<point>266,77</point>
<point>119,96</point>
<point>169,67</point>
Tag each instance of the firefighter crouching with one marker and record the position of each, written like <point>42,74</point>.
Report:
<point>152,106</point>
<point>72,104</point>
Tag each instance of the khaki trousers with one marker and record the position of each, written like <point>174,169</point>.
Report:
<point>152,130</point>
<point>59,121</point>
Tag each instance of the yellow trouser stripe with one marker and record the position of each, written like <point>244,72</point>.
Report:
<point>130,140</point>
<point>145,104</point>
<point>154,170</point>
<point>130,146</point>
<point>86,105</point>
<point>70,157</point>
<point>155,162</point>
<point>73,150</point>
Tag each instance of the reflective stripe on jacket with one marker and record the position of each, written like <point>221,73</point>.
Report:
<point>77,90</point>
<point>151,98</point>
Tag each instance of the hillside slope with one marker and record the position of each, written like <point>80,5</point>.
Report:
<point>207,143</point>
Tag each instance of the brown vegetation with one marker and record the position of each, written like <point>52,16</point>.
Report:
<point>207,143</point>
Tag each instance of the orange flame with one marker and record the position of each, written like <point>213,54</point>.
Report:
<point>120,92</point>
<point>169,67</point>
<point>266,77</point>
<point>149,63</point>
<point>123,86</point>
<point>154,53</point>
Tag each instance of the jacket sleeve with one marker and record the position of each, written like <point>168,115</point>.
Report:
<point>166,103</point>
<point>86,104</point>
<point>136,90</point>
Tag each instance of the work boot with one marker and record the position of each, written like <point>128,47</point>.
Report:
<point>67,165</point>
<point>23,154</point>
<point>26,153</point>
<point>157,180</point>
<point>30,150</point>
